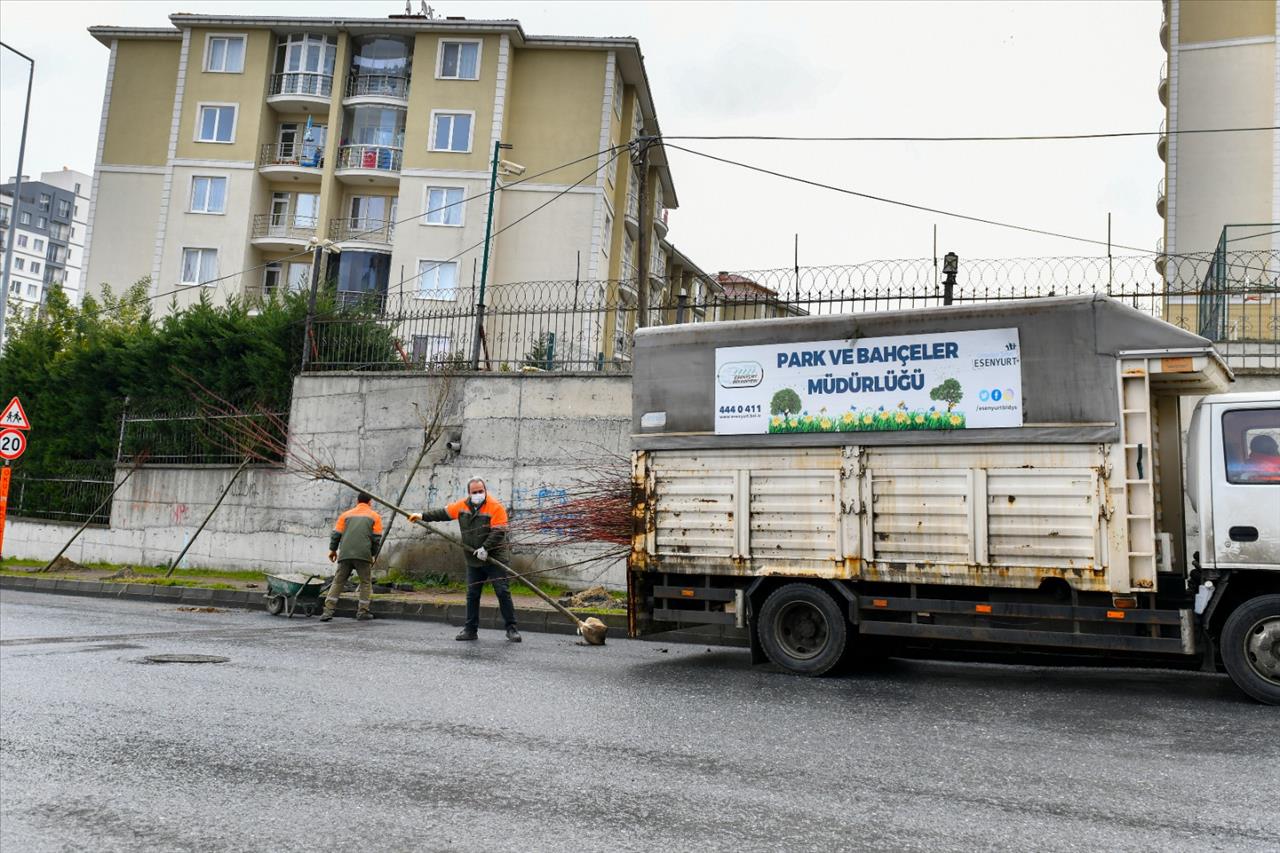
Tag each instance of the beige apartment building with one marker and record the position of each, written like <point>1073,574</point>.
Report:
<point>1220,196</point>
<point>228,143</point>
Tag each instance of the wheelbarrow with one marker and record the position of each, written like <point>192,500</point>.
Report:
<point>287,593</point>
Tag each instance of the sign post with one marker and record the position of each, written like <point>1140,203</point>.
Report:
<point>13,443</point>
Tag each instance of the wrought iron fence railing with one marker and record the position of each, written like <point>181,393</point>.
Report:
<point>70,492</point>
<point>187,437</point>
<point>568,325</point>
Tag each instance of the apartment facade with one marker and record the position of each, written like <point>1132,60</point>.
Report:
<point>48,226</point>
<point>228,143</point>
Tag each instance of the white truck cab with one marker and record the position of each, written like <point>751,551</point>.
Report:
<point>1233,480</point>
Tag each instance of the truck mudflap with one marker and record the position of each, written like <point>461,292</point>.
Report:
<point>1055,626</point>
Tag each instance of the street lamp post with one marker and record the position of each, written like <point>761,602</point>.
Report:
<point>17,195</point>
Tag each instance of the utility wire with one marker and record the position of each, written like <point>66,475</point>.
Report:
<point>187,288</point>
<point>510,225</point>
<point>905,204</point>
<point>1015,138</point>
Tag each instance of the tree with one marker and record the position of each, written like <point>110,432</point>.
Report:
<point>785,402</point>
<point>948,392</point>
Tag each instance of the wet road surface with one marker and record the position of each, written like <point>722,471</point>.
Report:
<point>391,736</point>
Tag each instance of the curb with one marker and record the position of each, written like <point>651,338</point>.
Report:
<point>532,621</point>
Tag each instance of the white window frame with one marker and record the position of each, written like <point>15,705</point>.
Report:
<point>182,263</point>
<point>619,90</point>
<point>22,241</point>
<point>37,245</point>
<point>35,268</point>
<point>235,120</point>
<point>19,264</point>
<point>191,200</point>
<point>606,235</point>
<point>471,131</point>
<point>208,42</point>
<point>461,207</point>
<point>418,291</point>
<point>479,43</point>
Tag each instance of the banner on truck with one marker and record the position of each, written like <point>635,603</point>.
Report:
<point>950,380</point>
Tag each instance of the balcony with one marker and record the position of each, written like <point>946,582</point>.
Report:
<point>1162,89</point>
<point>276,233</point>
<point>300,92</point>
<point>1164,33</point>
<point>1161,199</point>
<point>301,161</point>
<point>362,165</point>
<point>1161,258</point>
<point>660,223</point>
<point>1162,142</point>
<point>359,233</point>
<point>385,89</point>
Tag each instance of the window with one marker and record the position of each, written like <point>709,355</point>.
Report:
<point>33,291</point>
<point>304,65</point>
<point>73,232</point>
<point>611,170</point>
<point>42,222</point>
<point>199,265</point>
<point>22,240</point>
<point>38,245</point>
<point>224,54</point>
<point>299,279</point>
<point>451,131</point>
<point>77,191</point>
<point>24,218</point>
<point>208,194</point>
<point>64,208</point>
<point>608,233</point>
<point>617,91</point>
<point>35,268</point>
<point>5,211</point>
<point>77,208</point>
<point>437,279</point>
<point>216,123</point>
<point>372,212</point>
<point>1251,439</point>
<point>19,264</point>
<point>459,60</point>
<point>444,206</point>
<point>430,348</point>
<point>45,201</point>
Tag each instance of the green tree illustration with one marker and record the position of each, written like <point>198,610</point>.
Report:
<point>948,392</point>
<point>785,402</point>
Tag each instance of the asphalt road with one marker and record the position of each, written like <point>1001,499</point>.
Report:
<point>391,736</point>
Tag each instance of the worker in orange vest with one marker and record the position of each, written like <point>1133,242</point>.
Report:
<point>353,545</point>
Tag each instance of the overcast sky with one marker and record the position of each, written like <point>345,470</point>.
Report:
<point>866,69</point>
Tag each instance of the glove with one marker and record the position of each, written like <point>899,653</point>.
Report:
<point>481,554</point>
<point>415,517</point>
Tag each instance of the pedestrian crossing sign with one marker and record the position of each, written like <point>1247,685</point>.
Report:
<point>14,417</point>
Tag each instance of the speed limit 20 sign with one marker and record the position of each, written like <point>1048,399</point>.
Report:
<point>13,443</point>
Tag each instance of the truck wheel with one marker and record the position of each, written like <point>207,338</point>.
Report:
<point>802,629</point>
<point>1250,645</point>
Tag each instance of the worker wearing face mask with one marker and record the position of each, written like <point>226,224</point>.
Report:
<point>483,523</point>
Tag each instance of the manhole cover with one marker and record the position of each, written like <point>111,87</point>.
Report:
<point>185,659</point>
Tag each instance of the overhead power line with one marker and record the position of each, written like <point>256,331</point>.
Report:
<point>1015,138</point>
<point>899,203</point>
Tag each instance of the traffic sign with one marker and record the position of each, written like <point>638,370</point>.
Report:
<point>14,417</point>
<point>13,443</point>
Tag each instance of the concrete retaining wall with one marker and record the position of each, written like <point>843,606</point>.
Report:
<point>529,435</point>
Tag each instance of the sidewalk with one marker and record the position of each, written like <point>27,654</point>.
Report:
<point>532,614</point>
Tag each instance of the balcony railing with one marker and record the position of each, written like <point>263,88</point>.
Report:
<point>306,154</point>
<point>379,86</point>
<point>384,158</point>
<point>359,228</point>
<point>285,227</point>
<point>302,83</point>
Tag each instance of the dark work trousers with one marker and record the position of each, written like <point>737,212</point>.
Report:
<point>476,577</point>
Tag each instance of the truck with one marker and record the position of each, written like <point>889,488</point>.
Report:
<point>1063,475</point>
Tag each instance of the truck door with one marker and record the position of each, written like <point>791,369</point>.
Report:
<point>1246,485</point>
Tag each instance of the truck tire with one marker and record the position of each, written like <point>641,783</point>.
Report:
<point>1250,645</point>
<point>803,629</point>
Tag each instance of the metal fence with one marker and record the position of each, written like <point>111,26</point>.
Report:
<point>1230,297</point>
<point>187,437</point>
<point>71,491</point>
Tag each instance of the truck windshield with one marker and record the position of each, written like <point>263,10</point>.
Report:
<point>1251,439</point>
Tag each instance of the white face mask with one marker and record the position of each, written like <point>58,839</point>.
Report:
<point>477,498</point>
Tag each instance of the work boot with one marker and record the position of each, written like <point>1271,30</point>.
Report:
<point>326,616</point>
<point>466,634</point>
<point>512,634</point>
<point>364,616</point>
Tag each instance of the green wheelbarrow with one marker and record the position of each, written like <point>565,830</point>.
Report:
<point>288,593</point>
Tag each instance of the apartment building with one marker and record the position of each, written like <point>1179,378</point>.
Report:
<point>48,227</point>
<point>1222,71</point>
<point>228,143</point>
